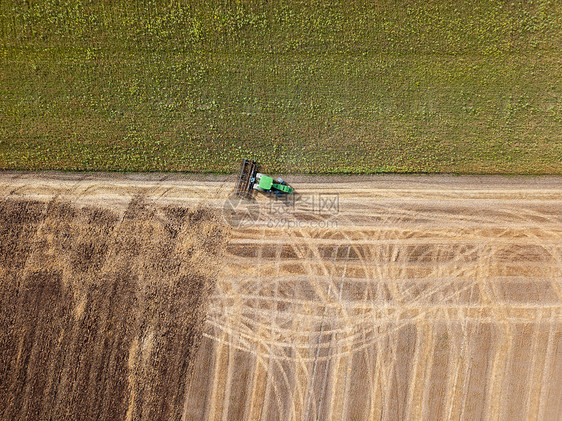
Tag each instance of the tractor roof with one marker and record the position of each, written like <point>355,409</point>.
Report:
<point>265,182</point>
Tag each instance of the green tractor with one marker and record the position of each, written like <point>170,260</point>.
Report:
<point>250,179</point>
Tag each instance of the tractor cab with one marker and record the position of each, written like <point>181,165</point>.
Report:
<point>266,183</point>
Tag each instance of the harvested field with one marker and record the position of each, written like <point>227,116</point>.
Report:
<point>412,298</point>
<point>101,312</point>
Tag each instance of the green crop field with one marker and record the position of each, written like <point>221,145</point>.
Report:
<point>302,86</point>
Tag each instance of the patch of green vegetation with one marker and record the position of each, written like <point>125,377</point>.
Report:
<point>315,87</point>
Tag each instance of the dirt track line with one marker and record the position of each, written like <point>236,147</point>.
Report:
<point>315,361</point>
<point>367,235</point>
<point>242,280</point>
<point>381,261</point>
<point>215,396</point>
<point>399,306</point>
<point>258,381</point>
<point>531,376</point>
<point>229,375</point>
<point>398,242</point>
<point>419,218</point>
<point>555,325</point>
<point>513,306</point>
<point>424,336</point>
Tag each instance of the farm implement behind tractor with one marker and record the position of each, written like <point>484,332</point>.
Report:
<point>250,179</point>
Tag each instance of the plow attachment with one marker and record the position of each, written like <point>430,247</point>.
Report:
<point>246,179</point>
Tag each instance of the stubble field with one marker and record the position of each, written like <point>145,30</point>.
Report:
<point>370,298</point>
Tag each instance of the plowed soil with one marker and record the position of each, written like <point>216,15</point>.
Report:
<point>101,313</point>
<point>413,298</point>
